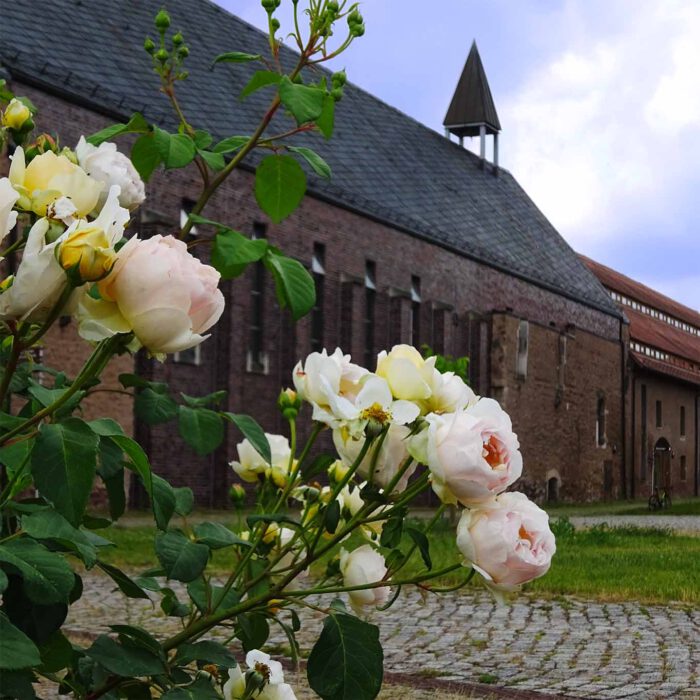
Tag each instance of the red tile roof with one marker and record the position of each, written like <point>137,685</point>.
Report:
<point>639,292</point>
<point>655,365</point>
<point>659,334</point>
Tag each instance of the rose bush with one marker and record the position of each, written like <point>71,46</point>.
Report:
<point>324,524</point>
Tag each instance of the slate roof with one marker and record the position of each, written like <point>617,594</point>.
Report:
<point>385,164</point>
<point>472,103</point>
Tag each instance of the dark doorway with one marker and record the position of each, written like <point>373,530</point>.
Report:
<point>553,490</point>
<point>608,479</point>
<point>662,465</point>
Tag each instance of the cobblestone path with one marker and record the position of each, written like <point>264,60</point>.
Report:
<point>679,523</point>
<point>567,647</point>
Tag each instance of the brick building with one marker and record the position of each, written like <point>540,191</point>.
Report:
<point>663,386</point>
<point>414,240</point>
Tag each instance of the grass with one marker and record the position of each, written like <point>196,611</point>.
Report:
<point>614,564</point>
<point>687,506</point>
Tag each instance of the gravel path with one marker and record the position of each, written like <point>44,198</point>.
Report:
<point>678,523</point>
<point>567,647</point>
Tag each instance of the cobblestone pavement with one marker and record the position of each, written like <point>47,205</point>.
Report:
<point>565,646</point>
<point>679,523</point>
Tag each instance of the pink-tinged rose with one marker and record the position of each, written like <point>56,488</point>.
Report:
<point>508,540</point>
<point>472,454</point>
<point>360,567</point>
<point>158,291</point>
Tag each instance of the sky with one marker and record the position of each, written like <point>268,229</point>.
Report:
<point>599,102</point>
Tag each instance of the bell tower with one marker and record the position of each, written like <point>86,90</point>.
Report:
<point>472,111</point>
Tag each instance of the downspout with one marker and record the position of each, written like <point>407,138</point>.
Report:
<point>623,432</point>
<point>634,435</point>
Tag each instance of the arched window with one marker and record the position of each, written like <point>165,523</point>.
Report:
<point>552,489</point>
<point>600,422</point>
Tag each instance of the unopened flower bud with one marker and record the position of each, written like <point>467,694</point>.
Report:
<point>337,94</point>
<point>88,251</point>
<point>338,470</point>
<point>17,116</point>
<point>339,79</point>
<point>162,20</point>
<point>237,495</point>
<point>275,24</point>
<point>183,52</point>
<point>162,55</point>
<point>289,403</point>
<point>271,532</point>
<point>357,30</point>
<point>333,7</point>
<point>6,283</point>
<point>149,45</point>
<point>178,39</point>
<point>268,5</point>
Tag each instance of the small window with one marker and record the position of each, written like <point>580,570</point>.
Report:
<point>186,207</point>
<point>659,415</point>
<point>256,329</point>
<point>523,339</point>
<point>600,422</point>
<point>191,356</point>
<point>684,468</point>
<point>370,312</point>
<point>552,490</point>
<point>682,421</point>
<point>415,311</point>
<point>318,270</point>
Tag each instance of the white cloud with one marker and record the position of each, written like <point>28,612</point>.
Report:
<point>598,135</point>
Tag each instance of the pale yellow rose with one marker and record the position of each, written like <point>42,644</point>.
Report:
<point>408,374</point>
<point>16,115</point>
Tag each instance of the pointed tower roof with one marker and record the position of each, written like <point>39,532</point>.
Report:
<point>472,104</point>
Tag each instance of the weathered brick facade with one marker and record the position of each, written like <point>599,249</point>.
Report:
<point>574,355</point>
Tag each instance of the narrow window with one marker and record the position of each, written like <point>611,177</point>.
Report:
<point>318,270</point>
<point>659,415</point>
<point>370,311</point>
<point>682,421</point>
<point>415,311</point>
<point>256,327</point>
<point>600,422</point>
<point>521,359</point>
<point>644,454</point>
<point>684,468</point>
<point>186,207</point>
<point>191,356</point>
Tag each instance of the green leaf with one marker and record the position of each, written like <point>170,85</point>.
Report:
<point>184,500</point>
<point>175,150</point>
<point>217,536</point>
<point>63,463</point>
<point>201,689</point>
<point>215,161</point>
<point>201,428</point>
<point>124,659</point>
<point>391,532</point>
<point>252,432</point>
<point>181,558</point>
<point>133,380</point>
<point>259,80</point>
<point>16,649</point>
<point>303,101</point>
<point>423,545</point>
<point>126,585</point>
<point>50,525</point>
<point>280,184</point>
<point>47,576</point>
<point>236,57</point>
<point>204,594</point>
<point>319,165</point>
<point>347,661</point>
<point>202,139</point>
<point>293,284</point>
<point>17,684</point>
<point>106,427</point>
<point>154,408</point>
<point>232,252</point>
<point>56,653</point>
<point>214,398</point>
<point>3,581</point>
<point>253,630</point>
<point>116,493</point>
<point>230,144</point>
<point>326,120</point>
<point>164,501</point>
<point>138,637</point>
<point>171,606</point>
<point>145,156</point>
<point>318,465</point>
<point>136,125</point>
<point>208,652</point>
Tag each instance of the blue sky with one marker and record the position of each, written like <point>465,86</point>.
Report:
<point>599,101</point>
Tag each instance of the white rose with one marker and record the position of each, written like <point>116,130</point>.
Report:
<point>106,164</point>
<point>392,454</point>
<point>448,394</point>
<point>508,540</point>
<point>251,465</point>
<point>362,566</point>
<point>8,197</point>
<point>159,291</point>
<point>330,383</point>
<point>274,689</point>
<point>472,454</point>
<point>406,371</point>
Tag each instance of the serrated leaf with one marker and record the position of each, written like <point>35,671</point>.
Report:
<point>16,649</point>
<point>217,536</point>
<point>208,652</point>
<point>137,124</point>
<point>423,545</point>
<point>215,161</point>
<point>253,630</point>
<point>124,659</point>
<point>232,252</point>
<point>126,585</point>
<point>305,102</point>
<point>326,120</point>
<point>56,653</point>
<point>280,185</point>
<point>320,167</point>
<point>63,464</point>
<point>260,79</point>
<point>182,559</point>
<point>347,661</point>
<point>203,595</point>
<point>154,408</point>
<point>230,144</point>
<point>252,432</point>
<point>293,284</point>
<point>184,500</point>
<point>50,525</point>
<point>236,57</point>
<point>201,428</point>
<point>145,156</point>
<point>175,150</point>
<point>202,139</point>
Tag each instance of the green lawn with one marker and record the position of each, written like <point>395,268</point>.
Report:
<point>687,506</point>
<point>649,565</point>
